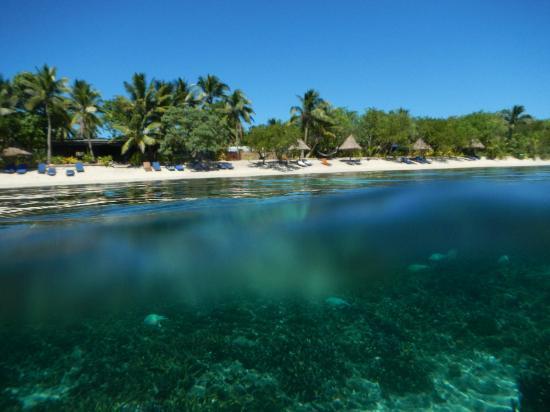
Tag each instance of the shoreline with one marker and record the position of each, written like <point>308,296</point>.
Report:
<point>244,169</point>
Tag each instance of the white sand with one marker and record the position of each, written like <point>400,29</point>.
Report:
<point>243,168</point>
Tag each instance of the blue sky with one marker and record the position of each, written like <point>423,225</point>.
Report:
<point>434,58</point>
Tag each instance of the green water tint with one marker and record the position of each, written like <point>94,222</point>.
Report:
<point>284,300</point>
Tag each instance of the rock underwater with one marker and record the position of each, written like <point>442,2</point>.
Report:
<point>154,320</point>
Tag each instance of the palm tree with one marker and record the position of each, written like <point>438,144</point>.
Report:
<point>212,88</point>
<point>140,114</point>
<point>44,91</point>
<point>312,113</point>
<point>515,117</point>
<point>237,109</point>
<point>184,94</point>
<point>85,103</point>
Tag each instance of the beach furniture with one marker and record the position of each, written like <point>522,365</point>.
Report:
<point>69,172</point>
<point>9,169</point>
<point>41,168</point>
<point>147,166</point>
<point>22,169</point>
<point>225,166</point>
<point>180,168</point>
<point>325,162</point>
<point>171,168</point>
<point>79,167</point>
<point>301,163</point>
<point>307,162</point>
<point>156,166</point>
<point>52,171</point>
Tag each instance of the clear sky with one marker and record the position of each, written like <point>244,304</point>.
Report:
<point>436,58</point>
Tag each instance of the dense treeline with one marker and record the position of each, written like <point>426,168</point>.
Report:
<point>174,120</point>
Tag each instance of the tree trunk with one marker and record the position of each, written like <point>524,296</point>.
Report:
<point>82,134</point>
<point>91,150</point>
<point>49,137</point>
<point>306,130</point>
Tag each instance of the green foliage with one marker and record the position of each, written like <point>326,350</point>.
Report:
<point>43,93</point>
<point>63,160</point>
<point>212,89</point>
<point>313,115</point>
<point>274,138</point>
<point>377,130</point>
<point>104,160</point>
<point>36,108</point>
<point>138,116</point>
<point>85,105</point>
<point>195,131</point>
<point>238,109</point>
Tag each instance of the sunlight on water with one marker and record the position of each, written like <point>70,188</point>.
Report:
<point>398,291</point>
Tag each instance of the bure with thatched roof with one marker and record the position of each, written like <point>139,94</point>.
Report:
<point>421,145</point>
<point>350,144</point>
<point>14,152</point>
<point>299,145</point>
<point>476,144</point>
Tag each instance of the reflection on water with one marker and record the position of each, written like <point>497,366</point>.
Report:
<point>421,291</point>
<point>61,202</point>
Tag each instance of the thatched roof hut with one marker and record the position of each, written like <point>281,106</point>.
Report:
<point>299,145</point>
<point>421,145</point>
<point>350,144</point>
<point>476,144</point>
<point>14,152</point>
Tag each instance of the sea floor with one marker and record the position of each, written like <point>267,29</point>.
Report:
<point>441,339</point>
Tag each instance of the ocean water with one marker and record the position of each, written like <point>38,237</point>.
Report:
<point>415,291</point>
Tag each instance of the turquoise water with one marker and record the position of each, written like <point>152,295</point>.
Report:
<point>394,291</point>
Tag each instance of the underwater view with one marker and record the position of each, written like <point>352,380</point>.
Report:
<point>402,291</point>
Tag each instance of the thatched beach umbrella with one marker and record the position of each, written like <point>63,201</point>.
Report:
<point>299,145</point>
<point>14,152</point>
<point>421,146</point>
<point>475,144</point>
<point>350,144</point>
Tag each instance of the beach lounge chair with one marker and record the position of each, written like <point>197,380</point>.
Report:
<point>52,171</point>
<point>307,162</point>
<point>301,163</point>
<point>147,166</point>
<point>171,168</point>
<point>79,167</point>
<point>69,172</point>
<point>156,166</point>
<point>225,166</point>
<point>9,169</point>
<point>42,168</point>
<point>180,168</point>
<point>22,169</point>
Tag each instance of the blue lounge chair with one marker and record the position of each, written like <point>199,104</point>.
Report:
<point>52,171</point>
<point>22,169</point>
<point>225,166</point>
<point>156,166</point>
<point>69,172</point>
<point>9,169</point>
<point>79,167</point>
<point>41,168</point>
<point>180,168</point>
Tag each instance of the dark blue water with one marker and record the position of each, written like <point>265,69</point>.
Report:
<point>395,291</point>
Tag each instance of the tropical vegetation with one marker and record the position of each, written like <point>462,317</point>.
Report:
<point>178,120</point>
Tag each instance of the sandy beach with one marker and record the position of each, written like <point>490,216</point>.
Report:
<point>242,169</point>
